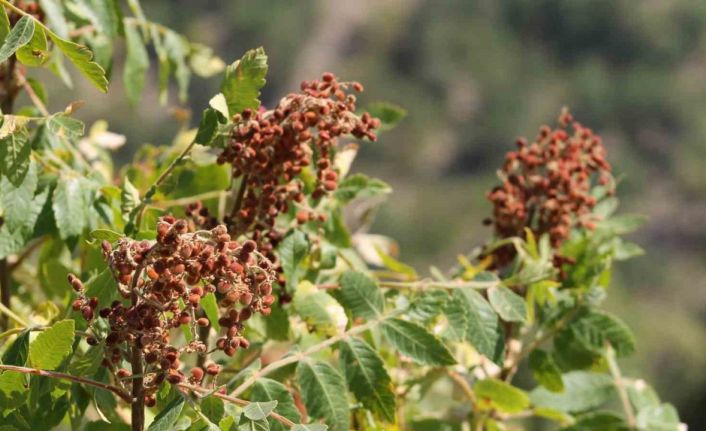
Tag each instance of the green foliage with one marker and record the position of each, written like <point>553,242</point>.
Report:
<point>53,346</point>
<point>243,81</point>
<point>345,332</point>
<point>414,341</point>
<point>367,378</point>
<point>324,393</point>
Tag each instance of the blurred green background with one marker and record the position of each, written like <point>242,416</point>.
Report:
<point>474,75</point>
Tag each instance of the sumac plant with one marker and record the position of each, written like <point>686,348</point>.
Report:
<point>212,284</point>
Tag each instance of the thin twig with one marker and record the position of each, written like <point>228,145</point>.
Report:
<point>56,375</point>
<point>622,393</point>
<point>32,95</point>
<point>9,313</point>
<point>463,384</point>
<point>296,357</point>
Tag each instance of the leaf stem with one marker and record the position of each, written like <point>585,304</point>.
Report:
<point>56,375</point>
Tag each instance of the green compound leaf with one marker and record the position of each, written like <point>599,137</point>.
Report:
<point>484,330</point>
<point>19,36</point>
<point>271,390</point>
<point>414,341</point>
<point>324,393</point>
<point>502,396</point>
<point>243,81</point>
<point>136,64</point>
<point>166,419</point>
<point>367,378</point>
<point>80,56</point>
<point>15,151</point>
<point>292,251</point>
<point>361,295</point>
<point>69,207</point>
<point>257,411</point>
<point>509,305</point>
<point>52,346</point>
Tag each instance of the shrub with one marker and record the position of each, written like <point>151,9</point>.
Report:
<point>219,288</point>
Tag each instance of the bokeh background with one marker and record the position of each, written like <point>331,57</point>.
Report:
<point>473,76</point>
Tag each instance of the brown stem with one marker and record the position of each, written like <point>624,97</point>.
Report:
<point>53,374</point>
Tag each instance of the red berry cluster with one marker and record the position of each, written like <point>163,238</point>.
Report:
<point>547,185</point>
<point>166,281</point>
<point>269,149</point>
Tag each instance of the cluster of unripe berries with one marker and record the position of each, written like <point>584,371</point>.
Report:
<point>547,185</point>
<point>268,150</point>
<point>165,281</point>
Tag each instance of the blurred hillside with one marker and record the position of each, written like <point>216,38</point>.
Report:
<point>473,76</point>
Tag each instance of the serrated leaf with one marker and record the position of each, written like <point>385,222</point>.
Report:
<point>266,389</point>
<point>596,328</point>
<point>165,420</point>
<point>19,36</point>
<point>583,390</point>
<point>18,352</point>
<point>367,378</point>
<point>501,395</point>
<point>259,410</point>
<point>102,286</point>
<point>69,207</point>
<point>129,197</point>
<point>360,186</point>
<point>509,305</point>
<point>15,151</point>
<point>324,393</point>
<point>52,346</point>
<point>414,341</point>
<point>80,56</point>
<point>177,49</point>
<point>457,319</point>
<point>545,371</point>
<point>35,52</point>
<point>319,309</point>
<point>136,64</point>
<point>484,330</point>
<point>243,81</point>
<point>65,126</point>
<point>361,295</point>
<point>105,234</point>
<point>292,250</point>
<point>208,127</point>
